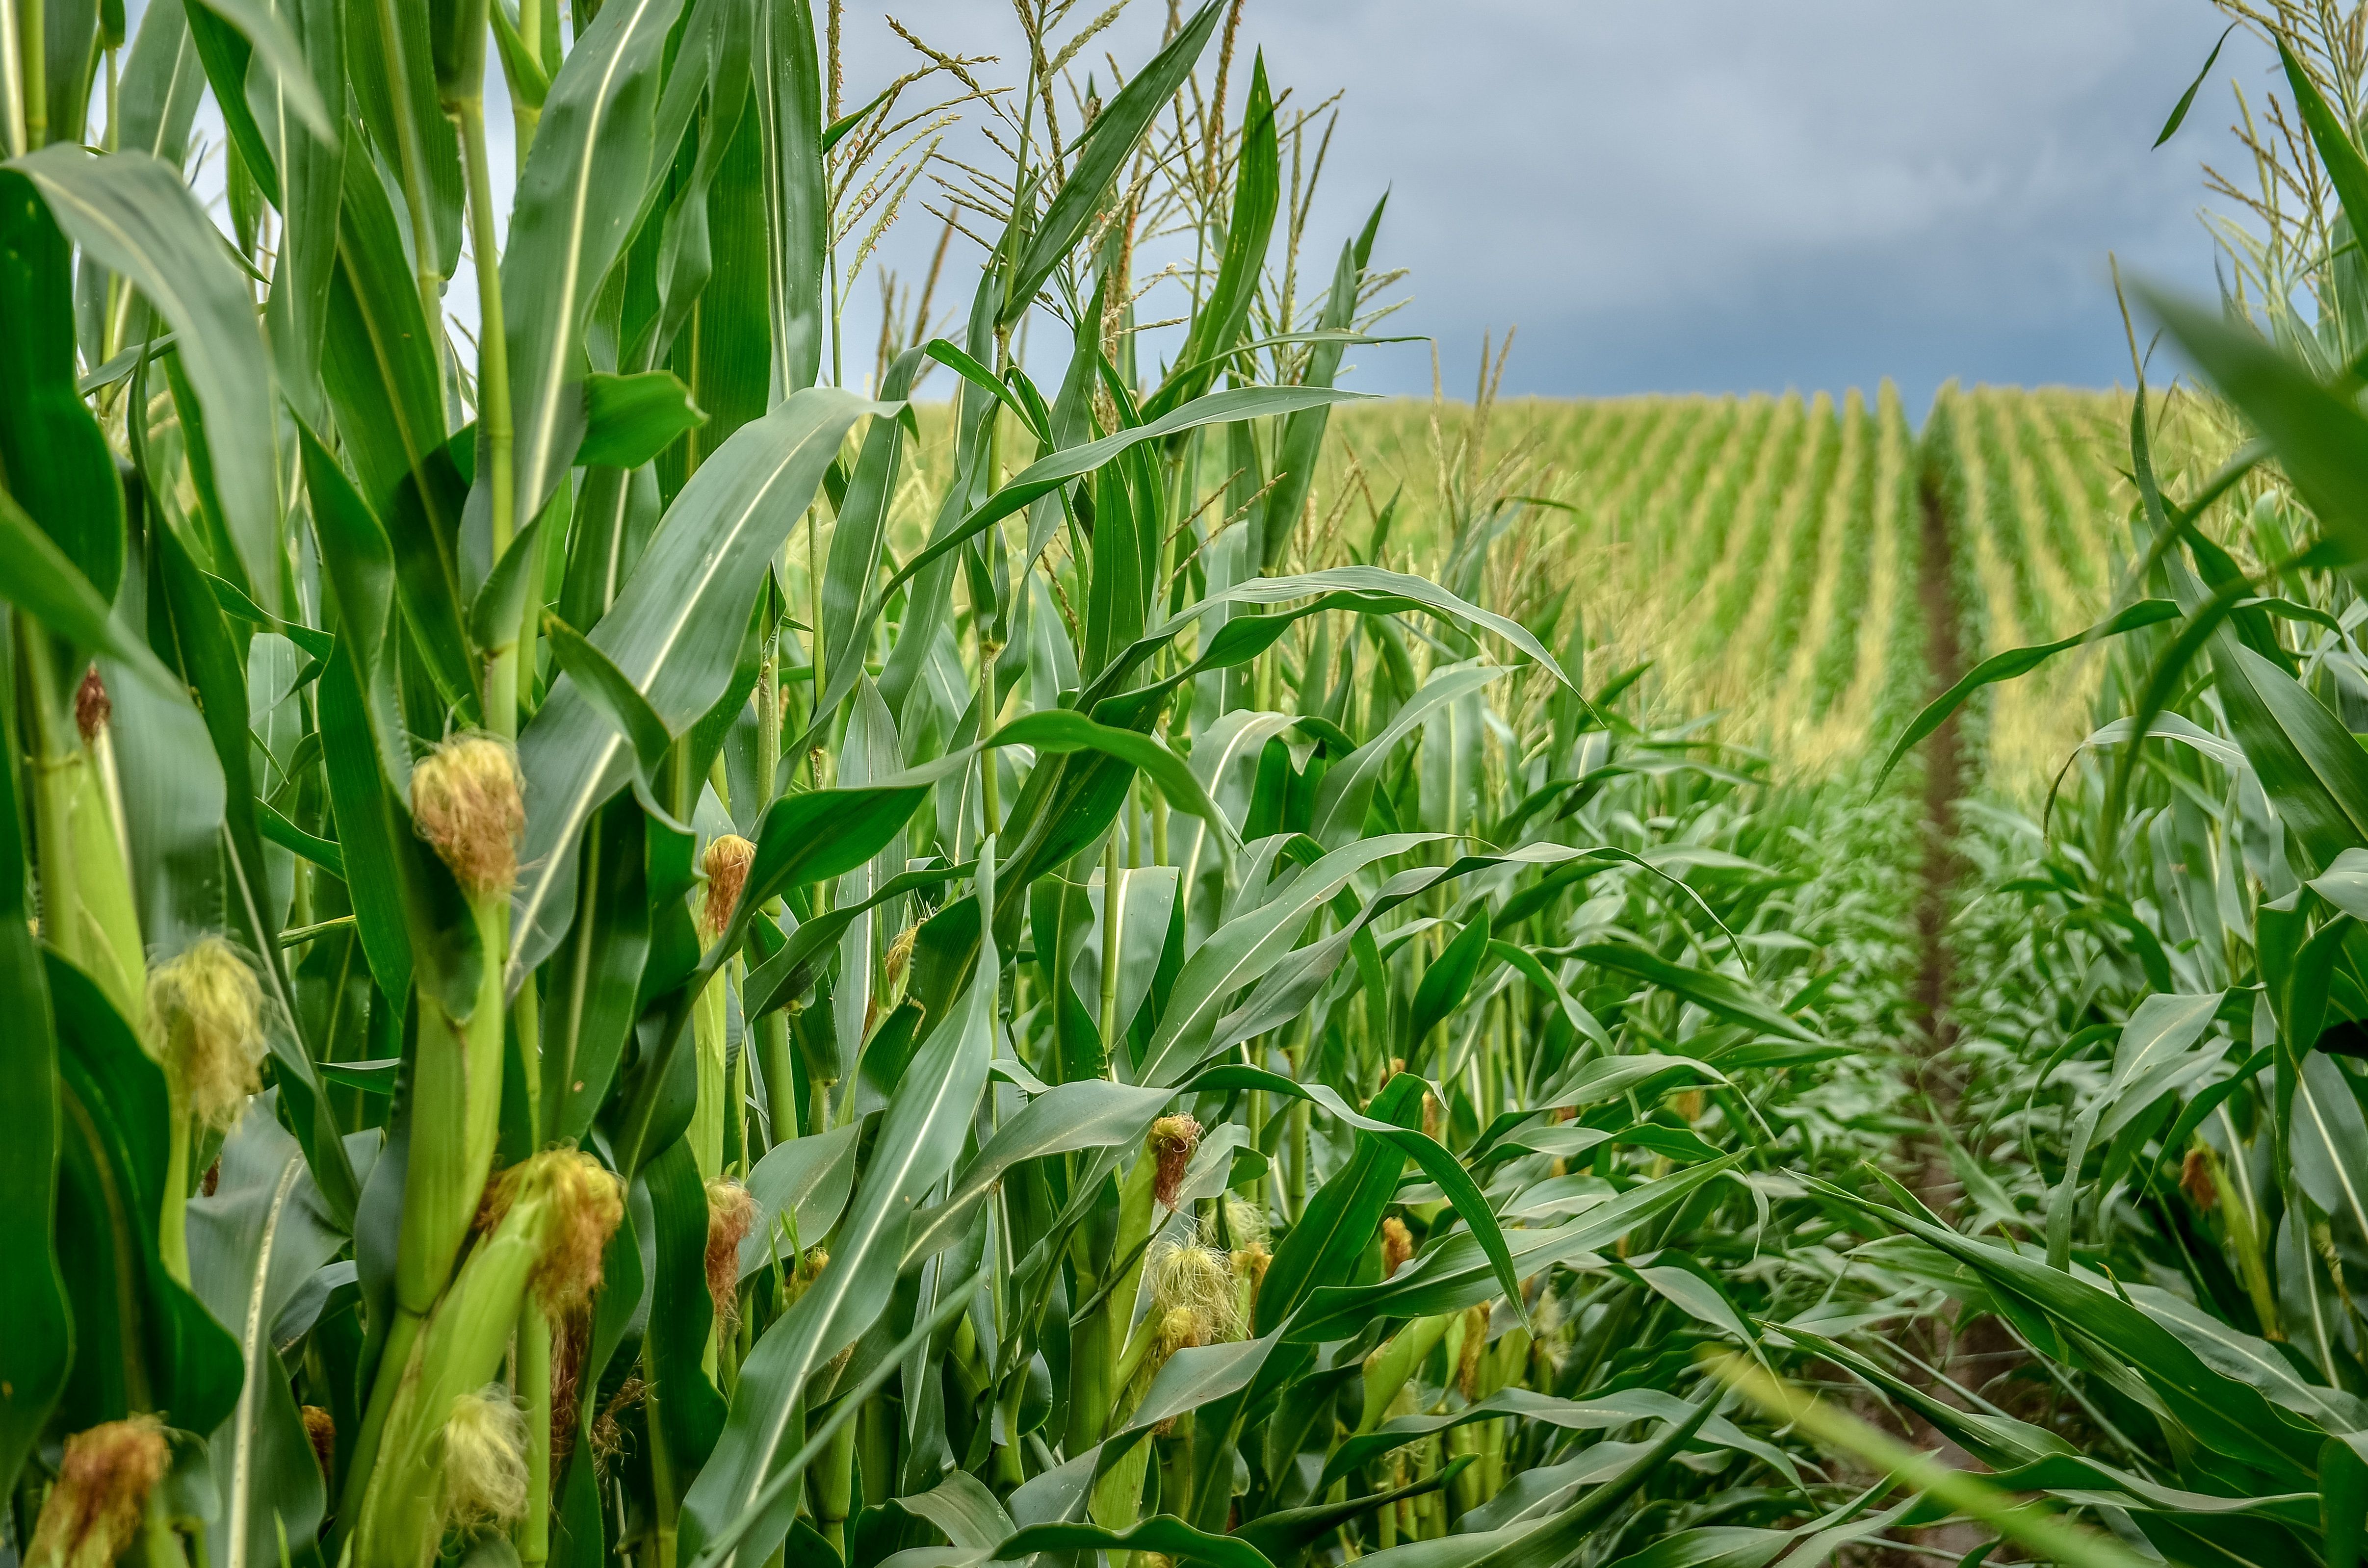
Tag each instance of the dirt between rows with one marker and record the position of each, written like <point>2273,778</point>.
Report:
<point>1968,1354</point>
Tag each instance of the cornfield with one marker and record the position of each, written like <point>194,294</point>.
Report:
<point>626,944</point>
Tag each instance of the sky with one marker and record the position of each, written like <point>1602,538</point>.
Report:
<point>1719,196</point>
<point>1733,195</point>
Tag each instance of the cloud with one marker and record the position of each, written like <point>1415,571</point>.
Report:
<point>1725,195</point>
<point>1694,195</point>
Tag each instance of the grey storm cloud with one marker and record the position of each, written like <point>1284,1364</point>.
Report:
<point>1699,195</point>
<point>1728,195</point>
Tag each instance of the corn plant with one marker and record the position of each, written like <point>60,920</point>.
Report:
<point>579,994</point>
<point>2161,1127</point>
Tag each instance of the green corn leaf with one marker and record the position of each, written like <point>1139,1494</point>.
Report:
<point>163,80</point>
<point>1999,1441</point>
<point>2339,151</point>
<point>843,1411</point>
<point>230,819</point>
<point>373,825</point>
<point>1257,190</point>
<point>234,602</point>
<point>312,159</point>
<point>2157,1034</point>
<point>1347,788</point>
<point>595,976</point>
<point>146,1341</point>
<point>1163,1533</point>
<point>38,1348</point>
<point>787,99</point>
<point>785,976</point>
<point>2329,1138</point>
<point>254,1243</point>
<point>2016,662</point>
<point>2308,764</point>
<point>58,466</point>
<point>858,542</point>
<point>629,420</point>
<point>801,1188</point>
<point>1581,1021</point>
<point>1555,1540</point>
<point>1436,1162</point>
<point>1089,1114</point>
<point>229,34</point>
<point>674,633</point>
<point>1446,980</point>
<point>1604,1412</point>
<point>2249,1360</point>
<point>916,1145</point>
<point>2187,99</point>
<point>1706,988</point>
<point>1457,1273</point>
<point>524,73</point>
<point>1055,732</point>
<point>134,214</point>
<point>1286,1534</point>
<point>356,555</point>
<point>1048,474</point>
<point>1304,432</point>
<point>2213,1406</point>
<point>46,586</point>
<point>1098,159</point>
<point>682,1311</point>
<point>501,599</point>
<point>1346,1211</point>
<point>2075,1478</point>
<point>1365,589</point>
<point>610,690</point>
<point>578,191</point>
<point>2035,1528</point>
<point>2315,433</point>
<point>962,363</point>
<point>1595,1081</point>
<point>1244,950</point>
<point>378,366</point>
<point>710,59</point>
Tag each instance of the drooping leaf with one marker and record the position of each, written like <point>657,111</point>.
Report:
<point>134,214</point>
<point>2016,662</point>
<point>53,458</point>
<point>1717,992</point>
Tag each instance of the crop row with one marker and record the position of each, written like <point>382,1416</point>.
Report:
<point>1763,552</point>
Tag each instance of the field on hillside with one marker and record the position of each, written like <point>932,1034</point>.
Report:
<point>1760,559</point>
<point>1763,554</point>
